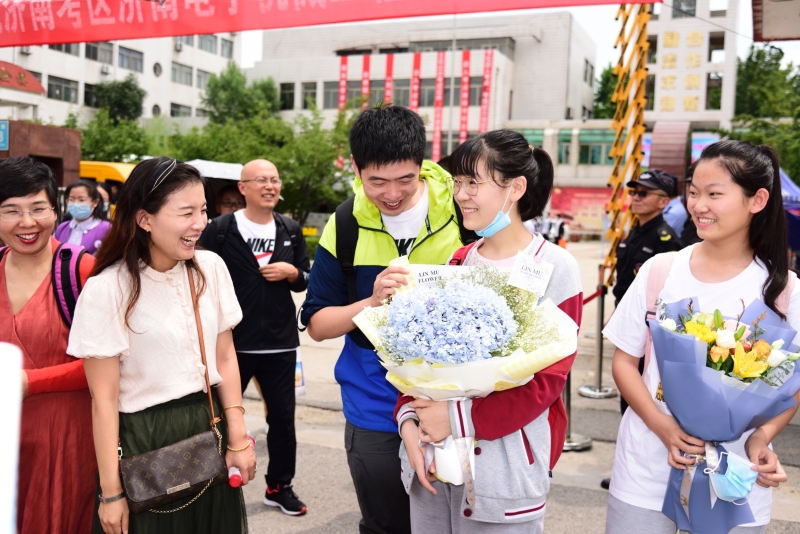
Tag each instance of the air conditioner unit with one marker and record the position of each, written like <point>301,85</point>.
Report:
<point>25,50</point>
<point>105,69</point>
<point>178,47</point>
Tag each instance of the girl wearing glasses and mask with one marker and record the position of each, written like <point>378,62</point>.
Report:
<point>136,329</point>
<point>89,225</point>
<point>56,457</point>
<point>499,181</point>
<point>735,201</point>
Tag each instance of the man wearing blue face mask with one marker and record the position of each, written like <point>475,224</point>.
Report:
<point>89,225</point>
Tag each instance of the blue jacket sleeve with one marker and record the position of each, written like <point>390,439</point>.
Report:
<point>327,285</point>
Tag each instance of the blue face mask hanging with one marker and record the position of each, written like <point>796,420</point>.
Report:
<point>501,221</point>
<point>737,482</point>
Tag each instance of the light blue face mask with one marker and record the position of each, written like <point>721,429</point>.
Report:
<point>80,211</point>
<point>106,205</point>
<point>737,482</point>
<point>501,221</point>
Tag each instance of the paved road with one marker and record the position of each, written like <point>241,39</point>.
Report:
<point>576,503</point>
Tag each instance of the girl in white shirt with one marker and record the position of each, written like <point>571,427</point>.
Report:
<point>135,326</point>
<point>735,201</point>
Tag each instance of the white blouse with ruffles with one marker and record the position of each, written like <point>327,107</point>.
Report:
<point>159,350</point>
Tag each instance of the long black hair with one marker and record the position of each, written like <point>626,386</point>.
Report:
<point>753,168</point>
<point>507,155</point>
<point>148,188</point>
<point>98,212</point>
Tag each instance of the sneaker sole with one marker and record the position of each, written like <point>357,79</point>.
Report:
<point>284,510</point>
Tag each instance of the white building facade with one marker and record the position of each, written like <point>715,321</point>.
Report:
<point>542,67</point>
<point>173,72</point>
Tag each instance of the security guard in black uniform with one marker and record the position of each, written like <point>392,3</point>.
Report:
<point>651,235</point>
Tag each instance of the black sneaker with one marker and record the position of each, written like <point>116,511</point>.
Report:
<point>284,497</point>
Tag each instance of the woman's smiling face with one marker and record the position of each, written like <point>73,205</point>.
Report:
<point>27,235</point>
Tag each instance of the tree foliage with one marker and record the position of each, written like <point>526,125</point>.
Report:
<point>229,97</point>
<point>103,140</point>
<point>764,89</point>
<point>604,108</point>
<point>783,136</point>
<point>124,99</point>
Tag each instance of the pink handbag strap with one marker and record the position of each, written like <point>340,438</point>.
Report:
<point>782,302</point>
<point>656,278</point>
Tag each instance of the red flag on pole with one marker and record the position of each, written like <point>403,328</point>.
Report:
<point>365,82</point>
<point>486,90</point>
<point>342,83</point>
<point>414,97</point>
<point>388,84</point>
<point>463,126</point>
<point>438,105</point>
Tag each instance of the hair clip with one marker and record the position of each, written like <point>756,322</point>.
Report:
<point>160,179</point>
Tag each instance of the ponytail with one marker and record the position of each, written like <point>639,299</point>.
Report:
<point>753,168</point>
<point>507,155</point>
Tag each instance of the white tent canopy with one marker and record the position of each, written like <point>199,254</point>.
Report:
<point>215,169</point>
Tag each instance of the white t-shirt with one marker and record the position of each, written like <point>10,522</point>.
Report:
<point>641,472</point>
<point>404,227</point>
<point>259,237</point>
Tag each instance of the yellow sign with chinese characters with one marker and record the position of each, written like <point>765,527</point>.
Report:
<point>667,103</point>
<point>668,83</point>
<point>692,61</point>
<point>691,103</point>
<point>671,39</point>
<point>695,39</point>
<point>692,81</point>
<point>670,61</point>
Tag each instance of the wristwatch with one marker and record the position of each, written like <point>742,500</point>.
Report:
<point>113,498</point>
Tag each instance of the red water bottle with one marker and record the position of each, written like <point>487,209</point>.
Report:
<point>234,475</point>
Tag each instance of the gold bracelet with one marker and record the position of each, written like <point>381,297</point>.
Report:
<point>235,406</point>
<point>238,450</point>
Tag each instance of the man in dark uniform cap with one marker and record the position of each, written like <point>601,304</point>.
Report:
<point>651,235</point>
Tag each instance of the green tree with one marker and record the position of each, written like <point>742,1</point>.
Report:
<point>124,99</point>
<point>782,135</point>
<point>229,97</point>
<point>103,140</point>
<point>765,89</point>
<point>604,108</point>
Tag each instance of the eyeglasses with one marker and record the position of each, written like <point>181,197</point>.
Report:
<point>232,204</point>
<point>470,185</point>
<point>17,215</point>
<point>642,193</point>
<point>264,181</point>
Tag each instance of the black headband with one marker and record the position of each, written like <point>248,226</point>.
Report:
<point>160,174</point>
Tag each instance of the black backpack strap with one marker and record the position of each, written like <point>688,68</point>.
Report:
<point>223,222</point>
<point>290,228</point>
<point>467,236</point>
<point>346,240</point>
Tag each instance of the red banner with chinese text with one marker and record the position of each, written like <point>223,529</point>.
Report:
<point>463,124</point>
<point>583,207</point>
<point>415,75</point>
<point>365,82</point>
<point>486,90</point>
<point>342,83</point>
<point>438,106</point>
<point>30,22</point>
<point>388,84</point>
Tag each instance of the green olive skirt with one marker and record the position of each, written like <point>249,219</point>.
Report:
<point>220,510</point>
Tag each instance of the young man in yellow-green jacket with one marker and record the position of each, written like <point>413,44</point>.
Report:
<point>402,206</point>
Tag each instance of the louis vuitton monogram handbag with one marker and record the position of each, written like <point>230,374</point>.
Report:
<point>188,467</point>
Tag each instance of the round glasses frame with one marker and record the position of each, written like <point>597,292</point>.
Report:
<point>471,187</point>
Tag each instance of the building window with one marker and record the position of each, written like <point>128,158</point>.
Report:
<point>61,89</point>
<point>90,96</point>
<point>564,146</point>
<point>652,50</point>
<point>309,95</point>
<point>207,43</point>
<point>475,88</point>
<point>157,69</point>
<point>131,59</point>
<point>650,92</point>
<point>401,92</point>
<point>718,8</point>
<point>156,110</point>
<point>714,90</point>
<point>427,92</point>
<point>202,78</point>
<point>716,47</point>
<point>37,75</point>
<point>376,91</point>
<point>200,113</point>
<point>354,93</point>
<point>684,9</point>
<point>504,45</point>
<point>330,95</point>
<point>595,147</point>
<point>177,110</point>
<point>226,48</point>
<point>73,48</point>
<point>186,40</point>
<point>588,72</point>
<point>181,74</point>
<point>102,52</point>
<point>287,96</point>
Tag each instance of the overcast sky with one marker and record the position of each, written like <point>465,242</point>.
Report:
<point>599,23</point>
